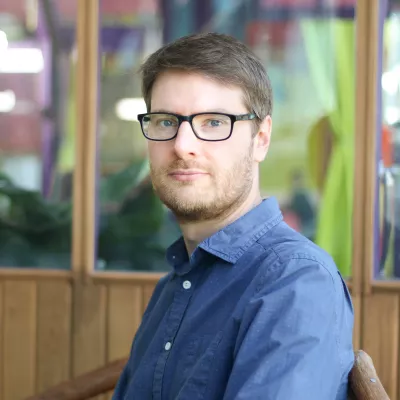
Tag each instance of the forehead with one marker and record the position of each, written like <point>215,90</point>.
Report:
<point>187,93</point>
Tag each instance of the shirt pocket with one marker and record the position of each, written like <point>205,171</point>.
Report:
<point>198,366</point>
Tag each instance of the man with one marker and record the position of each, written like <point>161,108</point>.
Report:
<point>252,309</point>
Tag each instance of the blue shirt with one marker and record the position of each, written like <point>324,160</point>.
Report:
<point>257,312</point>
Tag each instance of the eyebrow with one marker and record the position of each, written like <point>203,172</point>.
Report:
<point>213,110</point>
<point>161,110</point>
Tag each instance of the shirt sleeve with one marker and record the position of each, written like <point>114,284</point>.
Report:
<point>289,344</point>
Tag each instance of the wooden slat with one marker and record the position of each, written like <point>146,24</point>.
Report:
<point>19,358</point>
<point>362,83</point>
<point>124,316</point>
<point>1,341</point>
<point>147,293</point>
<point>78,218</point>
<point>366,137</point>
<point>389,286</point>
<point>33,274</point>
<point>91,117</point>
<point>54,333</point>
<point>357,322</point>
<point>381,337</point>
<point>89,327</point>
<point>141,278</point>
<point>109,396</point>
<point>374,78</point>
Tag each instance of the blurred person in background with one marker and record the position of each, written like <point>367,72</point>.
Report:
<point>302,206</point>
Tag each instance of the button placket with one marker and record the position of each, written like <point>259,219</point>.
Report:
<point>168,346</point>
<point>176,314</point>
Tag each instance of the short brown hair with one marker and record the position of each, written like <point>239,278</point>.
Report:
<point>218,56</point>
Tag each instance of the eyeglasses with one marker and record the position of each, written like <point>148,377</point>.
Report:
<point>211,127</point>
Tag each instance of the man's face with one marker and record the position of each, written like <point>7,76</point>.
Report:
<point>196,179</point>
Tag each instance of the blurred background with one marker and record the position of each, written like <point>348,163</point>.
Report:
<point>335,72</point>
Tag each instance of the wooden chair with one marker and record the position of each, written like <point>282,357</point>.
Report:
<point>364,382</point>
<point>86,386</point>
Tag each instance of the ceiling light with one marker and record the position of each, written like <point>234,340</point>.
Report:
<point>390,82</point>
<point>3,41</point>
<point>128,109</point>
<point>392,115</point>
<point>21,61</point>
<point>7,101</point>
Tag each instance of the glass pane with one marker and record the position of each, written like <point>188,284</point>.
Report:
<point>388,208</point>
<point>36,133</point>
<point>307,48</point>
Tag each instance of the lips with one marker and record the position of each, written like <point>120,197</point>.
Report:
<point>187,175</point>
<point>187,172</point>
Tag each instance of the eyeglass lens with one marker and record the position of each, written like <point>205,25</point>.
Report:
<point>206,126</point>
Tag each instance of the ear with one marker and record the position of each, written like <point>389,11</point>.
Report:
<point>262,139</point>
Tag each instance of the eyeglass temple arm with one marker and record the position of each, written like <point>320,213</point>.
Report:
<point>245,117</point>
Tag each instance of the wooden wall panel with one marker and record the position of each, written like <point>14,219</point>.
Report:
<point>1,340</point>
<point>89,327</point>
<point>357,322</point>
<point>148,290</point>
<point>53,329</point>
<point>53,333</point>
<point>125,305</point>
<point>19,341</point>
<point>381,336</point>
<point>124,316</point>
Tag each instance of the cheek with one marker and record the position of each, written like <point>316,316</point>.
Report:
<point>224,161</point>
<point>157,153</point>
<point>230,156</point>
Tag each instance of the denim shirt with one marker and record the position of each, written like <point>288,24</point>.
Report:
<point>257,312</point>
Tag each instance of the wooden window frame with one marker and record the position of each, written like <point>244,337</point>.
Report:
<point>85,174</point>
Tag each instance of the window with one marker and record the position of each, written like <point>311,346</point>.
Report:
<point>37,126</point>
<point>387,240</point>
<point>308,51</point>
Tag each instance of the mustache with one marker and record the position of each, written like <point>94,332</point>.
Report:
<point>183,164</point>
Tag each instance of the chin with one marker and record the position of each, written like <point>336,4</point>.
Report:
<point>188,205</point>
<point>191,203</point>
<point>188,193</point>
<point>191,212</point>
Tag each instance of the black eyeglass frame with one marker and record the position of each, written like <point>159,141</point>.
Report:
<point>189,118</point>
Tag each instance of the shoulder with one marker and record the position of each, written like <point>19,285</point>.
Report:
<point>300,274</point>
<point>304,280</point>
<point>296,274</point>
<point>288,254</point>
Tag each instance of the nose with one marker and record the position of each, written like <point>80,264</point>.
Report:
<point>186,143</point>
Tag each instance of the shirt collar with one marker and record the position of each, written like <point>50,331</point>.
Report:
<point>233,240</point>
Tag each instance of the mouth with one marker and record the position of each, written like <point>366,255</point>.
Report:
<point>187,175</point>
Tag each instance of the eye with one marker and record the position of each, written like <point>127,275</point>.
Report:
<point>166,123</point>
<point>214,123</point>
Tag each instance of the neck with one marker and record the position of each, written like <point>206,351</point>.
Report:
<point>195,232</point>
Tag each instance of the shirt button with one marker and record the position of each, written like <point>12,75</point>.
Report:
<point>187,285</point>
<point>168,346</point>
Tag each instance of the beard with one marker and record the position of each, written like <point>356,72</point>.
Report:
<point>210,197</point>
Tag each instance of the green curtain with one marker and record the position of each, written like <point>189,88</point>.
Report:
<point>66,162</point>
<point>330,51</point>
